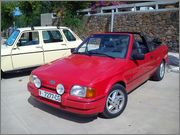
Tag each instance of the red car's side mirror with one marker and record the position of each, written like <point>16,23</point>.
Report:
<point>137,56</point>
<point>73,50</point>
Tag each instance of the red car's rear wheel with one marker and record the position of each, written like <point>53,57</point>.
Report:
<point>159,74</point>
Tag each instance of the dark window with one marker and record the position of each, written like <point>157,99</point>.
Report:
<point>136,48</point>
<point>139,44</point>
<point>52,36</point>
<point>111,44</point>
<point>29,38</point>
<point>69,35</point>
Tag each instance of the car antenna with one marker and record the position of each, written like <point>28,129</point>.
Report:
<point>57,26</point>
<point>32,27</point>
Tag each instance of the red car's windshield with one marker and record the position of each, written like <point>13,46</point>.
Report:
<point>108,45</point>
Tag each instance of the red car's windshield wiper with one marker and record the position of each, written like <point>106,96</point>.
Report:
<point>86,53</point>
<point>98,53</point>
<point>89,53</point>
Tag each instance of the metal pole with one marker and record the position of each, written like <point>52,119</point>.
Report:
<point>112,20</point>
<point>157,7</point>
<point>134,7</point>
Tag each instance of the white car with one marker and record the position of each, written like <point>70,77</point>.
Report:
<point>35,46</point>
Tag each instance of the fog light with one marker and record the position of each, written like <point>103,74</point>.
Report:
<point>60,89</point>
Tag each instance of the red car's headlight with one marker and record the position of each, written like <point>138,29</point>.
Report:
<point>81,91</point>
<point>34,79</point>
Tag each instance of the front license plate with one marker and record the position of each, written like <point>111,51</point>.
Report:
<point>49,95</point>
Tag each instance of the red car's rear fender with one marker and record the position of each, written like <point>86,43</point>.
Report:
<point>166,55</point>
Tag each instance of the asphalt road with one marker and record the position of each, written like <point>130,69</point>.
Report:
<point>151,108</point>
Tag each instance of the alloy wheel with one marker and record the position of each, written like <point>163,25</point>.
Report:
<point>115,101</point>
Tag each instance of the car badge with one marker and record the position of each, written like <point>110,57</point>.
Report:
<point>52,82</point>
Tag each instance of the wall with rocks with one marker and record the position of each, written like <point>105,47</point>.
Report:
<point>161,24</point>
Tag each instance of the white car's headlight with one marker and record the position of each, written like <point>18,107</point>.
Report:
<point>34,79</point>
<point>81,91</point>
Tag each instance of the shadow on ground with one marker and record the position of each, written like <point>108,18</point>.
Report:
<point>15,74</point>
<point>67,115</point>
<point>61,114</point>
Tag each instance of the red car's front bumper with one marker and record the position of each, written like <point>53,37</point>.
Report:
<point>70,103</point>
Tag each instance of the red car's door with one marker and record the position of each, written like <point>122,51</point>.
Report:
<point>139,69</point>
<point>156,57</point>
<point>153,57</point>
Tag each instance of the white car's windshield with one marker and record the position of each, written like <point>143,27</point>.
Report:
<point>108,45</point>
<point>12,38</point>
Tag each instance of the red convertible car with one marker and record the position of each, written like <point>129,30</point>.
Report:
<point>99,74</point>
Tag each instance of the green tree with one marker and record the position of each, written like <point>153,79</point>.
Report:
<point>71,19</point>
<point>6,14</point>
<point>31,11</point>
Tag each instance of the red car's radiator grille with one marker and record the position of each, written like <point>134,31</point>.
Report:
<point>49,88</point>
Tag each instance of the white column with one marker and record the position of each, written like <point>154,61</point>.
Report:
<point>157,6</point>
<point>112,20</point>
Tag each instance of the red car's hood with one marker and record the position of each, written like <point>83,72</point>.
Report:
<point>78,69</point>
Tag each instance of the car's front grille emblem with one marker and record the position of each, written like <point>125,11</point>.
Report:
<point>52,82</point>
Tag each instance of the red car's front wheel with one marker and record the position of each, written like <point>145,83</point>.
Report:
<point>116,102</point>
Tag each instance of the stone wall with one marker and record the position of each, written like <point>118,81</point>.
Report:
<point>161,24</point>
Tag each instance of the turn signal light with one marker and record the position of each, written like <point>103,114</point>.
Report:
<point>90,92</point>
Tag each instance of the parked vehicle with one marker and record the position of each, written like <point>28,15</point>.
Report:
<point>99,74</point>
<point>35,46</point>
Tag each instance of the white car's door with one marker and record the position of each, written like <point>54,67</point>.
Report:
<point>28,52</point>
<point>72,40</point>
<point>54,45</point>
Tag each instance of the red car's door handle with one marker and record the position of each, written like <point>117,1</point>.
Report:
<point>152,57</point>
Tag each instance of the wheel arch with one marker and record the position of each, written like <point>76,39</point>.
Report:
<point>121,83</point>
<point>113,82</point>
<point>164,60</point>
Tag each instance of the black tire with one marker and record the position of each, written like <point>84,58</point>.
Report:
<point>2,74</point>
<point>121,90</point>
<point>158,76</point>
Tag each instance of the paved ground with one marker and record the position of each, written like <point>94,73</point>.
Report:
<point>151,108</point>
